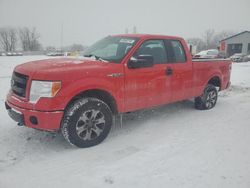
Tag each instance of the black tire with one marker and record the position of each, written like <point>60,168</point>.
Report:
<point>208,99</point>
<point>86,122</point>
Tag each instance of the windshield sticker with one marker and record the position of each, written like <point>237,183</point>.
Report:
<point>128,41</point>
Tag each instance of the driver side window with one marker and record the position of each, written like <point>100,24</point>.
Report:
<point>155,48</point>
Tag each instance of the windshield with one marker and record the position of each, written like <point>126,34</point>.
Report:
<point>111,48</point>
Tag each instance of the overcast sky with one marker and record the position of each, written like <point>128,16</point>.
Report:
<point>85,21</point>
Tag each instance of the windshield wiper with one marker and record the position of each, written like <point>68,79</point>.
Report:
<point>96,57</point>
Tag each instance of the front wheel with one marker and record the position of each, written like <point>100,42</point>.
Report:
<point>87,122</point>
<point>208,99</point>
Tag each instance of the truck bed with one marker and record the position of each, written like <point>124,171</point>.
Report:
<point>207,68</point>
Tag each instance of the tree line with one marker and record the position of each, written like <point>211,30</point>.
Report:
<point>210,39</point>
<point>26,38</point>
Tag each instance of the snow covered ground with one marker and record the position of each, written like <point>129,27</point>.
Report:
<point>171,146</point>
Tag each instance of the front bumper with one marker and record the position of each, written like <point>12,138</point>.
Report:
<point>43,120</point>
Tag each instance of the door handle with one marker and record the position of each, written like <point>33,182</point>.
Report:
<point>169,71</point>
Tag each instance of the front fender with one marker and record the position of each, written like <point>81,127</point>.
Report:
<point>113,88</point>
<point>70,89</point>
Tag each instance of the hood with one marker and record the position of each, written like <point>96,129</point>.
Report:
<point>49,69</point>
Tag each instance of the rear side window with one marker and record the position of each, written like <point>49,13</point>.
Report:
<point>175,51</point>
<point>156,48</point>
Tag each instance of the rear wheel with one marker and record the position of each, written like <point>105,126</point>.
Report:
<point>87,122</point>
<point>208,99</point>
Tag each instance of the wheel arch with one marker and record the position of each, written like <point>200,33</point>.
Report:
<point>99,94</point>
<point>215,80</point>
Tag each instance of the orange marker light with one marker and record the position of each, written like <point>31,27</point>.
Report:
<point>56,86</point>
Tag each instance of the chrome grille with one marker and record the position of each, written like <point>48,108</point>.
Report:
<point>19,84</point>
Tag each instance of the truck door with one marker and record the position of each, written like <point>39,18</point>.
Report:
<point>181,68</point>
<point>148,86</point>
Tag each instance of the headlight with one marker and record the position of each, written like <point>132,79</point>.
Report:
<point>43,89</point>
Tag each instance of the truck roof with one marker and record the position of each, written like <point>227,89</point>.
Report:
<point>148,36</point>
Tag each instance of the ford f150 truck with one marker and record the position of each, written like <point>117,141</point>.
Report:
<point>118,74</point>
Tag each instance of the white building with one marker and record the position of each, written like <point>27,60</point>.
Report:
<point>239,43</point>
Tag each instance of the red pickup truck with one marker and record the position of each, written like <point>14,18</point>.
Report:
<point>118,74</point>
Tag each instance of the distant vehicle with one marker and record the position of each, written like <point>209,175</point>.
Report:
<point>2,54</point>
<point>49,54</point>
<point>14,53</point>
<point>222,55</point>
<point>55,54</point>
<point>238,57</point>
<point>207,54</point>
<point>119,74</point>
<point>76,53</point>
<point>246,58</point>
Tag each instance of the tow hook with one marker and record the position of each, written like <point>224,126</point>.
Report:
<point>20,124</point>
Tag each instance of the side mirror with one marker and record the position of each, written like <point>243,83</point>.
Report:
<point>141,61</point>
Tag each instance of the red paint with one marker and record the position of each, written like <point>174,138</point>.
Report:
<point>136,89</point>
<point>222,46</point>
<point>46,120</point>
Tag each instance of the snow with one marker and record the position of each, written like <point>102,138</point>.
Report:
<point>170,146</point>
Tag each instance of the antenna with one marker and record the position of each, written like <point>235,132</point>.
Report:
<point>126,31</point>
<point>61,37</point>
<point>134,30</point>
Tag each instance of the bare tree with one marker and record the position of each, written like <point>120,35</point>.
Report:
<point>222,35</point>
<point>76,47</point>
<point>208,38</point>
<point>34,43</point>
<point>29,39</point>
<point>198,42</point>
<point>50,49</point>
<point>24,38</point>
<point>13,38</point>
<point>4,39</point>
<point>8,38</point>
